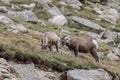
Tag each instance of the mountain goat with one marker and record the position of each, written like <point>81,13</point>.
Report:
<point>78,44</point>
<point>49,39</point>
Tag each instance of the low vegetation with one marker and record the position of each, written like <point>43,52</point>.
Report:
<point>13,44</point>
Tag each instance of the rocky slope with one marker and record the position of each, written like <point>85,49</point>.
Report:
<point>22,23</point>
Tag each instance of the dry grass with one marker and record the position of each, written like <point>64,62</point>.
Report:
<point>18,43</point>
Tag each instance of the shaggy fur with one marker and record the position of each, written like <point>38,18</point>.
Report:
<point>49,39</point>
<point>78,44</point>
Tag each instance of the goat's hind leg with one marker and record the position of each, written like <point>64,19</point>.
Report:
<point>94,54</point>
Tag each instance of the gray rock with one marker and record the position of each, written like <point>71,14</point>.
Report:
<point>98,10</point>
<point>114,3</point>
<point>115,51</point>
<point>28,16</point>
<point>98,74</point>
<point>100,54</point>
<point>26,72</point>
<point>59,20</point>
<point>3,61</point>
<point>107,34</point>
<point>53,10</point>
<point>5,71</point>
<point>20,27</point>
<point>6,1</point>
<point>107,41</point>
<point>43,3</point>
<point>110,15</point>
<point>86,23</point>
<point>108,37</point>
<point>91,34</point>
<point>112,56</point>
<point>3,9</point>
<point>74,3</point>
<point>5,20</point>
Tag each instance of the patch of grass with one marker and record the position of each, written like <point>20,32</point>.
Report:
<point>104,47</point>
<point>5,76</point>
<point>17,43</point>
<point>21,1</point>
<point>88,66</point>
<point>42,14</point>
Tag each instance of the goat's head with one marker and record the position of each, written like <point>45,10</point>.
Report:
<point>64,40</point>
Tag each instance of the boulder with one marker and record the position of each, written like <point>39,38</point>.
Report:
<point>107,34</point>
<point>114,3</point>
<point>110,15</point>
<point>6,1</point>
<point>115,51</point>
<point>27,72</point>
<point>98,74</point>
<point>28,16</point>
<point>5,71</point>
<point>74,3</point>
<point>100,54</point>
<point>53,10</point>
<point>3,61</point>
<point>59,20</point>
<point>91,34</point>
<point>3,9</point>
<point>98,10</point>
<point>5,20</point>
<point>108,37</point>
<point>112,56</point>
<point>43,3</point>
<point>107,41</point>
<point>86,23</point>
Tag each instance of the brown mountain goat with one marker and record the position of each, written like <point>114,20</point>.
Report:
<point>49,39</point>
<point>78,44</point>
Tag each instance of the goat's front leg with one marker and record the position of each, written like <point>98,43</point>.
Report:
<point>76,52</point>
<point>50,47</point>
<point>57,48</point>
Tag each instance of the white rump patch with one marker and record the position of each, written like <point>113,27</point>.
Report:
<point>95,43</point>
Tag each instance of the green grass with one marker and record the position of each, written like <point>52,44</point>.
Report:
<point>18,43</point>
<point>22,1</point>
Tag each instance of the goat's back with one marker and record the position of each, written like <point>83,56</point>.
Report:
<point>49,37</point>
<point>81,43</point>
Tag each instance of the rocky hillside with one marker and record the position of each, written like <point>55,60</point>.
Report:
<point>22,23</point>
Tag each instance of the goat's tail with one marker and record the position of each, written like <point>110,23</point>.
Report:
<point>95,43</point>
